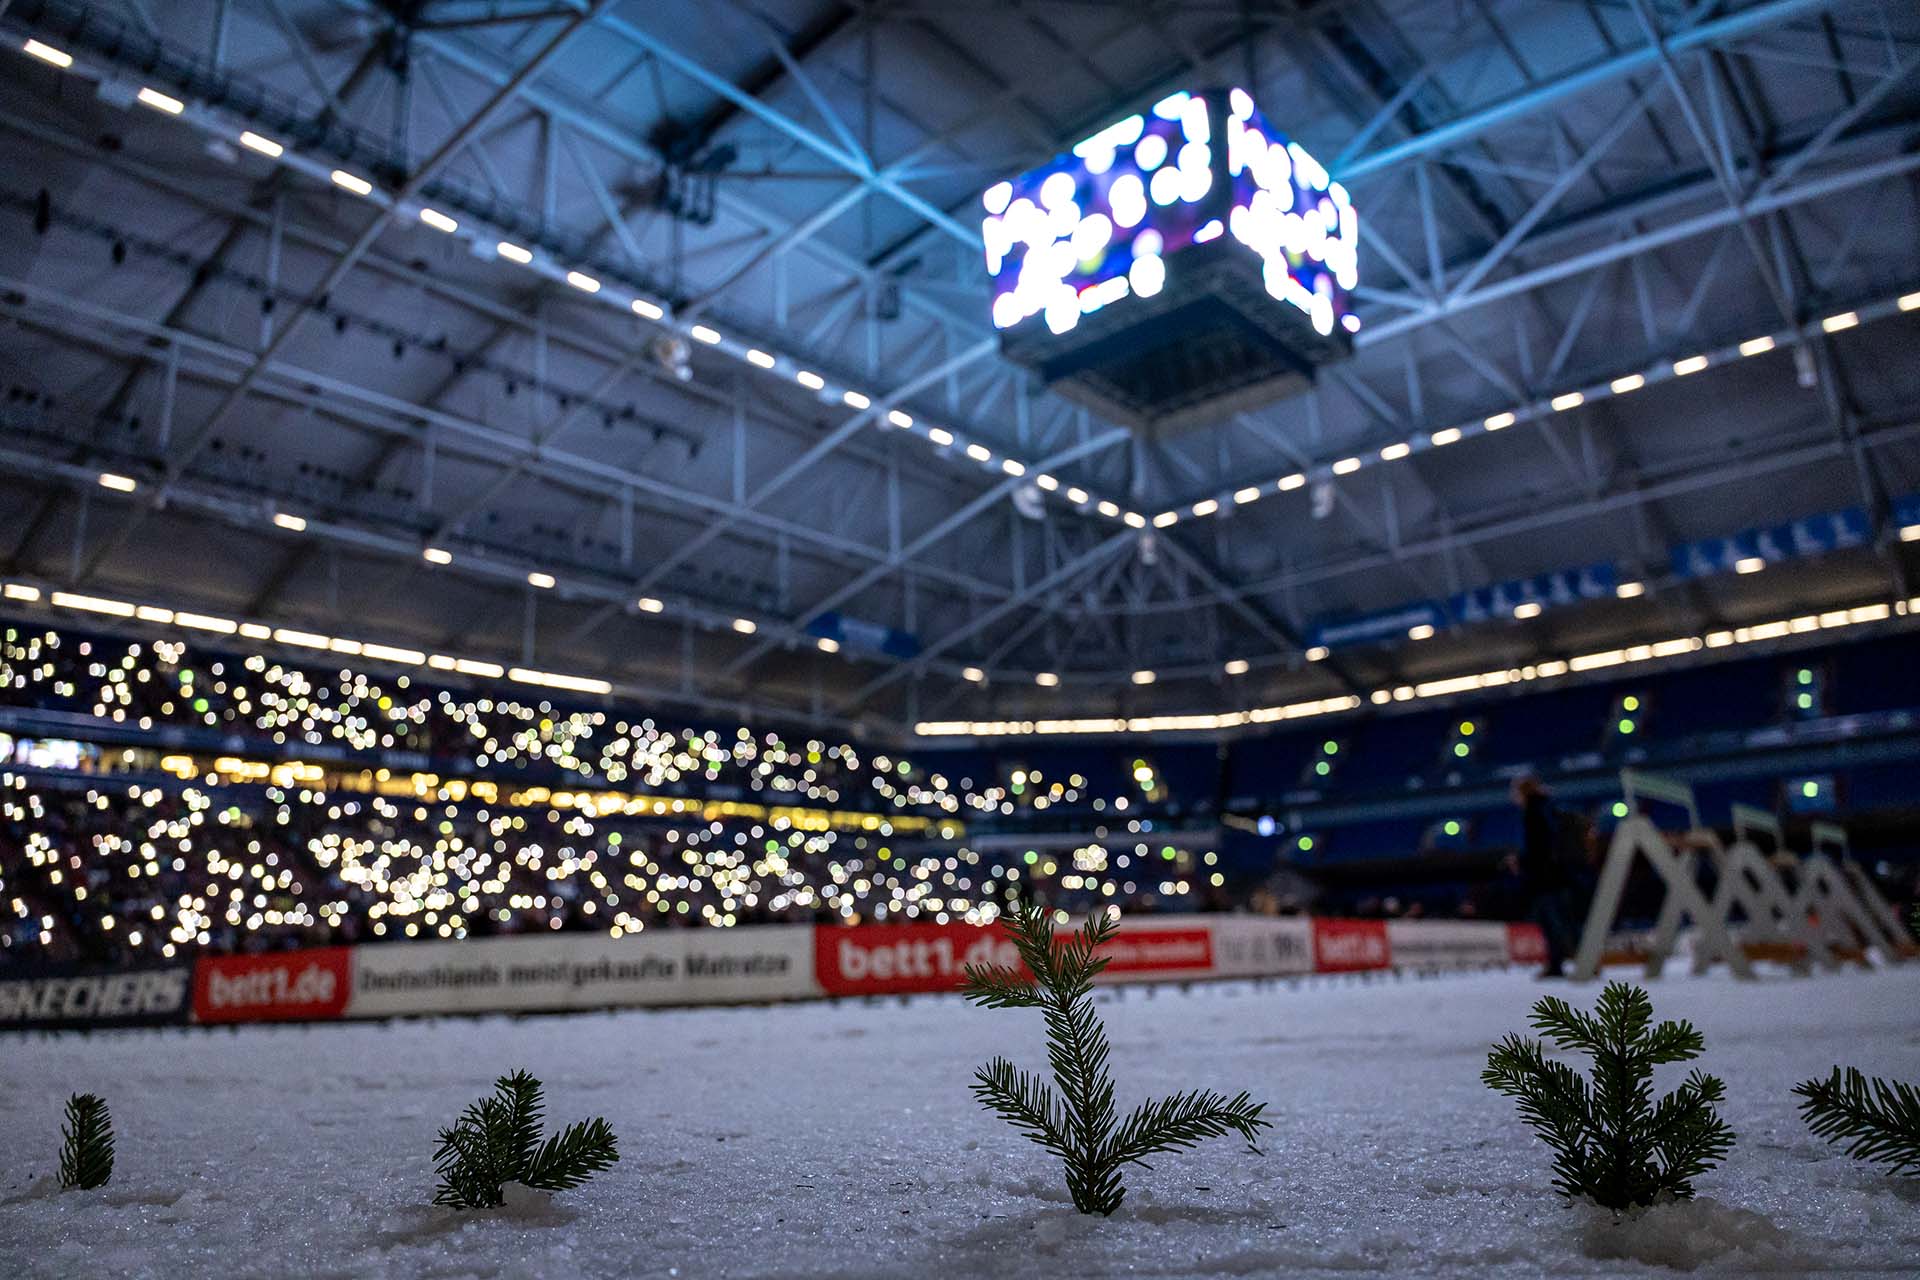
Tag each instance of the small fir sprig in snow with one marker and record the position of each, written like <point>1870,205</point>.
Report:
<point>1879,1120</point>
<point>1611,1141</point>
<point>1078,1123</point>
<point>497,1141</point>
<point>86,1156</point>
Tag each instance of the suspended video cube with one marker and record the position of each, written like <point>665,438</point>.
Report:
<point>1178,266</point>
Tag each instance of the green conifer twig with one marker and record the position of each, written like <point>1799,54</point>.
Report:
<point>1078,1123</point>
<point>1611,1141</point>
<point>497,1141</point>
<point>1879,1120</point>
<point>86,1155</point>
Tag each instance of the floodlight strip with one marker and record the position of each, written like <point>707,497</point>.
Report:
<point>1553,669</point>
<point>1547,406</point>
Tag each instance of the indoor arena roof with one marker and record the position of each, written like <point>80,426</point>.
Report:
<point>649,340</point>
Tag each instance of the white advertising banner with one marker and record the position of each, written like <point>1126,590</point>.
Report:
<point>584,971</point>
<point>1447,944</point>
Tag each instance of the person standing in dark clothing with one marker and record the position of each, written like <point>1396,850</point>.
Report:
<point>1542,878</point>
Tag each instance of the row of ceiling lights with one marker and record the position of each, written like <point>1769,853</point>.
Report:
<point>1547,406</point>
<point>486,243</point>
<point>1879,611</point>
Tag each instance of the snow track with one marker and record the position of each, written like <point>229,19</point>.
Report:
<point>841,1140</point>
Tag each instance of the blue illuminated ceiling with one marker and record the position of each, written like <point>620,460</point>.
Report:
<point>1630,276</point>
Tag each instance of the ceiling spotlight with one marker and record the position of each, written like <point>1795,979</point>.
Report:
<point>1237,667</point>
<point>745,626</point>
<point>828,644</point>
<point>649,605</point>
<point>435,555</point>
<point>974,674</point>
<point>1046,679</point>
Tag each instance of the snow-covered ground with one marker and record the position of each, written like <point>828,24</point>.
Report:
<point>841,1140</point>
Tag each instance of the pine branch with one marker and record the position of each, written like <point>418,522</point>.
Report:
<point>1185,1120</point>
<point>497,1141</point>
<point>1611,1140</point>
<point>571,1156</point>
<point>998,987</point>
<point>86,1155</point>
<point>1078,1123</point>
<point>1879,1120</point>
<point>519,1130</point>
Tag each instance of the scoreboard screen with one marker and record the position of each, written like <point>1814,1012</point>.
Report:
<point>1199,173</point>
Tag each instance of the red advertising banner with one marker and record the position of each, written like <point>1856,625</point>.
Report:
<point>895,959</point>
<point>1346,946</point>
<point>1526,944</point>
<point>285,985</point>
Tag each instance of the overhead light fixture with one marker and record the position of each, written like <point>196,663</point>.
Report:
<point>810,380</point>
<point>1166,519</point>
<point>544,581</point>
<point>647,604</point>
<point>1632,382</point>
<point>1424,631</point>
<point>1205,507</point>
<point>1238,667</point>
<point>979,453</point>
<point>1845,320</point>
<point>1046,679</point>
<point>1910,302</point>
<point>1910,533</point>
<point>828,644</point>
<point>1135,520</point>
<point>647,310</point>
<point>285,520</point>
<point>118,483</point>
<point>435,555</point>
<point>583,282</point>
<point>1444,436</point>
<point>439,221</point>
<point>1749,564</point>
<point>1692,364</point>
<point>1630,590</point>
<point>1144,677</point>
<point>1757,346</point>
<point>759,358</point>
<point>1346,466</point>
<point>974,674</point>
<point>1013,468</point>
<point>1528,609</point>
<point>856,400</point>
<point>940,436</point>
<point>48,54</point>
<point>701,333</point>
<point>20,591</point>
<point>745,626</point>
<point>264,145</point>
<point>351,182</point>
<point>1046,482</point>
<point>1293,481</point>
<point>1111,510</point>
<point>513,252</point>
<point>92,604</point>
<point>1499,422</point>
<point>204,622</point>
<point>1318,653</point>
<point>161,102</point>
<point>899,418</point>
<point>1571,400</point>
